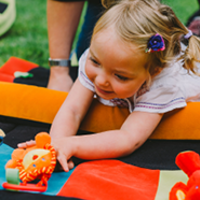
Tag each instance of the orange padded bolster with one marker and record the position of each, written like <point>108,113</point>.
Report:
<point>29,102</point>
<point>41,105</point>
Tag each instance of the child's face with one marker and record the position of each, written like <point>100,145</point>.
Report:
<point>116,68</point>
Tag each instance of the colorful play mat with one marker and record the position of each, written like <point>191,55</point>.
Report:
<point>27,107</point>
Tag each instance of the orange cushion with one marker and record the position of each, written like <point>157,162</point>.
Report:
<point>41,105</point>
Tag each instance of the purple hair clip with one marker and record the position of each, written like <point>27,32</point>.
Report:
<point>188,35</point>
<point>155,43</point>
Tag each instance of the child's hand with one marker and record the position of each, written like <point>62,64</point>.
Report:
<point>64,152</point>
<point>26,144</point>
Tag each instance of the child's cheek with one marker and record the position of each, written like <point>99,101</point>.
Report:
<point>89,71</point>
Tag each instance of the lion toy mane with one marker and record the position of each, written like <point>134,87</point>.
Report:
<point>35,162</point>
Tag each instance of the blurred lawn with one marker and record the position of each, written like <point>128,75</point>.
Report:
<point>182,8</point>
<point>27,38</point>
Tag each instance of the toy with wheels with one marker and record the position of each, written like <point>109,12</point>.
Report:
<point>189,162</point>
<point>30,164</point>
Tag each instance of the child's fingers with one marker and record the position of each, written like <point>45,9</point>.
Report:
<point>30,143</point>
<point>22,145</point>
<point>70,164</point>
<point>62,160</point>
<point>26,144</point>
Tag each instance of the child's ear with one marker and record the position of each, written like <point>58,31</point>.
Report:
<point>156,71</point>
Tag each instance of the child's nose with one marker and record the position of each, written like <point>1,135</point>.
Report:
<point>102,80</point>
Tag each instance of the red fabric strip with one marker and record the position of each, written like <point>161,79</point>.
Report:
<point>111,179</point>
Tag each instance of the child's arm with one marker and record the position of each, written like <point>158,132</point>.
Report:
<point>70,115</point>
<point>109,144</point>
<point>72,111</point>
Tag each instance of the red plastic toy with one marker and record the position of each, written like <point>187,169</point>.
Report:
<point>189,162</point>
<point>26,165</point>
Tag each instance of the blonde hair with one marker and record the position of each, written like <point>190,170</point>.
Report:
<point>135,21</point>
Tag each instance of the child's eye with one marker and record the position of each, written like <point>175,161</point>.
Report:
<point>94,61</point>
<point>123,78</point>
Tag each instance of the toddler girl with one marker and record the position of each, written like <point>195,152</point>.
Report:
<point>135,60</point>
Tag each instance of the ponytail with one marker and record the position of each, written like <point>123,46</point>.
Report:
<point>191,55</point>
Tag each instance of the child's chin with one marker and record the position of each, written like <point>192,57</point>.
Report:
<point>106,97</point>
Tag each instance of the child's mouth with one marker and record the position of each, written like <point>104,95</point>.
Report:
<point>99,90</point>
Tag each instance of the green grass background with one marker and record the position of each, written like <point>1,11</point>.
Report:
<point>27,38</point>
